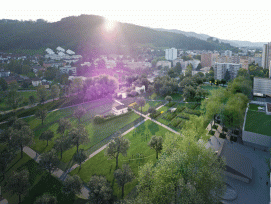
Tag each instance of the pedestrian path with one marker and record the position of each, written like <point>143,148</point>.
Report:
<point>58,173</point>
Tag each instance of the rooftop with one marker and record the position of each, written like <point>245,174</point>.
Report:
<point>261,125</point>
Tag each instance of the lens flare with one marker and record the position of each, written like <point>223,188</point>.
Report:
<point>110,25</point>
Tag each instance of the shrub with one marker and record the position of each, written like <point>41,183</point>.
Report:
<point>179,109</point>
<point>176,121</point>
<point>234,139</point>
<point>214,126</point>
<point>211,132</point>
<point>98,119</point>
<point>152,110</point>
<point>193,112</point>
<point>223,136</point>
<point>155,115</point>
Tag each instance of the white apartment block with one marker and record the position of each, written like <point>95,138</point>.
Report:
<point>171,54</point>
<point>67,69</point>
<point>262,86</point>
<point>221,68</point>
<point>228,53</point>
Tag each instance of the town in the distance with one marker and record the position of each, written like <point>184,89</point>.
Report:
<point>157,124</point>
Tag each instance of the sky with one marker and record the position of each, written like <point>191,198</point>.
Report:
<point>231,20</point>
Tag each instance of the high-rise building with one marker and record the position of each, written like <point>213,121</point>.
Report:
<point>220,70</point>
<point>228,53</point>
<point>171,54</point>
<point>266,56</point>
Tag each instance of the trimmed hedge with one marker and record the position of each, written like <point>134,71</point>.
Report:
<point>214,126</point>
<point>193,112</point>
<point>176,121</point>
<point>155,115</point>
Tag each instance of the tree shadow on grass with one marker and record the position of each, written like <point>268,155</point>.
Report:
<point>153,128</point>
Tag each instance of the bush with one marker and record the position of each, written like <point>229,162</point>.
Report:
<point>234,139</point>
<point>155,115</point>
<point>184,117</point>
<point>223,136</point>
<point>179,109</point>
<point>176,121</point>
<point>98,119</point>
<point>152,110</point>
<point>214,126</point>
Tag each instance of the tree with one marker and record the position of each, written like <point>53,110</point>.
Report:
<point>223,81</point>
<point>21,138</point>
<point>63,125</point>
<point>78,135</point>
<point>241,85</point>
<point>123,176</point>
<point>100,190</point>
<point>186,169</point>
<point>199,66</point>
<point>212,80</point>
<point>3,84</point>
<point>79,112</point>
<point>72,185</point>
<point>80,157</point>
<point>62,144</point>
<point>41,114</point>
<point>189,93</point>
<point>156,144</point>
<point>141,102</point>
<point>13,98</point>
<point>49,161</point>
<point>47,135</point>
<point>227,76</point>
<point>41,93</point>
<point>152,110</point>
<point>178,68</point>
<point>31,100</point>
<point>18,183</point>
<point>46,199</point>
<point>6,156</point>
<point>168,99</point>
<point>188,71</point>
<point>55,91</point>
<point>200,94</point>
<point>119,145</point>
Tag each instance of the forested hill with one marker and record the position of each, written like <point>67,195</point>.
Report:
<point>87,33</point>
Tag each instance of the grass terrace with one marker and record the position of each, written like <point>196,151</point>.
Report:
<point>98,133</point>
<point>258,121</point>
<point>40,182</point>
<point>138,154</point>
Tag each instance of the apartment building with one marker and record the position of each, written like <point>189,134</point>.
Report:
<point>206,59</point>
<point>221,68</point>
<point>68,70</point>
<point>171,54</point>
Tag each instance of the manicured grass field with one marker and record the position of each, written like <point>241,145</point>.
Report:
<point>258,122</point>
<point>97,132</point>
<point>41,182</point>
<point>149,104</point>
<point>139,138</point>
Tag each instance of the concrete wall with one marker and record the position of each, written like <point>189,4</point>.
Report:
<point>257,140</point>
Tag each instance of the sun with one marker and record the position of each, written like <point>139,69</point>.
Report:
<point>109,25</point>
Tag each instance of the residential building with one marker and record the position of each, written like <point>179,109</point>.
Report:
<point>171,54</point>
<point>228,53</point>
<point>68,70</point>
<point>164,64</point>
<point>176,61</point>
<point>221,68</point>
<point>55,64</point>
<point>262,86</point>
<point>36,82</point>
<point>120,109</point>
<point>4,74</point>
<point>139,89</point>
<point>258,59</point>
<point>266,56</point>
<point>215,57</point>
<point>206,59</point>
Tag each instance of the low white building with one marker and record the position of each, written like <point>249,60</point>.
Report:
<point>138,89</point>
<point>163,64</point>
<point>36,82</point>
<point>67,70</point>
<point>261,86</point>
<point>120,109</point>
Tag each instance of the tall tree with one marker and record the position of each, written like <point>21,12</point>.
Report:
<point>31,100</point>
<point>119,145</point>
<point>41,93</point>
<point>100,190</point>
<point>72,185</point>
<point>156,143</point>
<point>49,161</point>
<point>80,157</point>
<point>55,91</point>
<point>168,99</point>
<point>141,102</point>
<point>63,125</point>
<point>3,84</point>
<point>62,144</point>
<point>13,98</point>
<point>78,135</point>
<point>123,176</point>
<point>46,199</point>
<point>41,114</point>
<point>18,183</point>
<point>21,138</point>
<point>5,158</point>
<point>79,112</point>
<point>47,135</point>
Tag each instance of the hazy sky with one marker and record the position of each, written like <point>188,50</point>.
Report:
<point>223,19</point>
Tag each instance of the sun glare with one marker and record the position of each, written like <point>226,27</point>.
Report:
<point>110,25</point>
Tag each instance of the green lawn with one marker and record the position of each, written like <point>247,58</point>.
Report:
<point>139,139</point>
<point>97,132</point>
<point>258,122</point>
<point>210,88</point>
<point>175,97</point>
<point>149,104</point>
<point>41,182</point>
